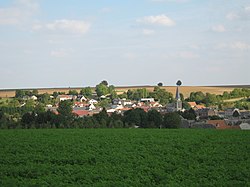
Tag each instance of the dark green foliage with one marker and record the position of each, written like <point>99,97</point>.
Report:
<point>171,120</point>
<point>188,114</point>
<point>102,117</point>
<point>160,84</point>
<point>73,92</point>
<point>87,92</point>
<point>137,94</point>
<point>124,157</point>
<point>154,119</point>
<point>136,117</point>
<point>178,83</point>
<point>161,95</point>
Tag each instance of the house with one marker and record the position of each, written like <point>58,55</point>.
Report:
<point>90,107</point>
<point>147,100</point>
<point>80,113</point>
<point>194,106</point>
<point>221,124</point>
<point>92,101</point>
<point>245,126</point>
<point>80,104</point>
<point>155,104</point>
<point>81,98</point>
<point>65,97</point>
<point>33,97</point>
<point>229,112</point>
<point>126,102</point>
<point>206,112</point>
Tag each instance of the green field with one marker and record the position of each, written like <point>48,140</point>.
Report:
<point>124,157</point>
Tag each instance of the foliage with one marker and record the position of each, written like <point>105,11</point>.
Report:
<point>161,95</point>
<point>188,114</point>
<point>135,117</point>
<point>87,92</point>
<point>101,89</point>
<point>137,94</point>
<point>178,83</point>
<point>171,120</point>
<point>73,92</point>
<point>124,157</point>
<point>154,119</point>
<point>160,84</point>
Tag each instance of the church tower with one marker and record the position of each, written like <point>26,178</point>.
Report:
<point>178,104</point>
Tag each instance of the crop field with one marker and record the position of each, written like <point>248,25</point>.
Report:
<point>124,157</point>
<point>185,90</point>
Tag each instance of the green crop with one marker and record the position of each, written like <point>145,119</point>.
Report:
<point>124,157</point>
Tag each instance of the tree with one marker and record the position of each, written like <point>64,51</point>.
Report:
<point>20,94</point>
<point>188,114</point>
<point>161,95</point>
<point>135,117</point>
<point>179,83</point>
<point>160,84</point>
<point>87,92</point>
<point>104,82</point>
<point>102,117</point>
<point>35,92</point>
<point>210,99</point>
<point>171,120</point>
<point>14,103</point>
<point>73,92</point>
<point>28,118</point>
<point>45,98</point>
<point>101,89</point>
<point>65,111</point>
<point>154,119</point>
<point>198,97</point>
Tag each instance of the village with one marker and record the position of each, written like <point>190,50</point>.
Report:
<point>92,103</point>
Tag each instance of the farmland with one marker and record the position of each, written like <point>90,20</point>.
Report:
<point>124,157</point>
<point>185,90</point>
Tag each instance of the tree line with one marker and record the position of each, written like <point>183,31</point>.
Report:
<point>66,119</point>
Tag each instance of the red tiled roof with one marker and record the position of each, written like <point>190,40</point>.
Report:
<point>192,104</point>
<point>200,106</point>
<point>81,112</point>
<point>221,124</point>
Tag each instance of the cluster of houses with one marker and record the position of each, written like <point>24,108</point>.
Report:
<point>87,107</point>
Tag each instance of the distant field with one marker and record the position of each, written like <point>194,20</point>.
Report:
<point>124,157</point>
<point>185,90</point>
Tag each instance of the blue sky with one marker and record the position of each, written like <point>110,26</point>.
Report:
<point>46,43</point>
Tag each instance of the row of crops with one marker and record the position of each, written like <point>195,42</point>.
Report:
<point>124,157</point>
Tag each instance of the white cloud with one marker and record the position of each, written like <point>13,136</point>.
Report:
<point>148,31</point>
<point>61,53</point>
<point>188,55</point>
<point>157,20</point>
<point>240,45</point>
<point>219,28</point>
<point>243,14</point>
<point>64,25</point>
<point>18,13</point>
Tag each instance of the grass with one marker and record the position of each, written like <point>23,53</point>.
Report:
<point>124,157</point>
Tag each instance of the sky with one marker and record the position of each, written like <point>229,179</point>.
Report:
<point>78,43</point>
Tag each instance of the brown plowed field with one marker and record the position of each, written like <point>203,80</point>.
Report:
<point>185,90</point>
